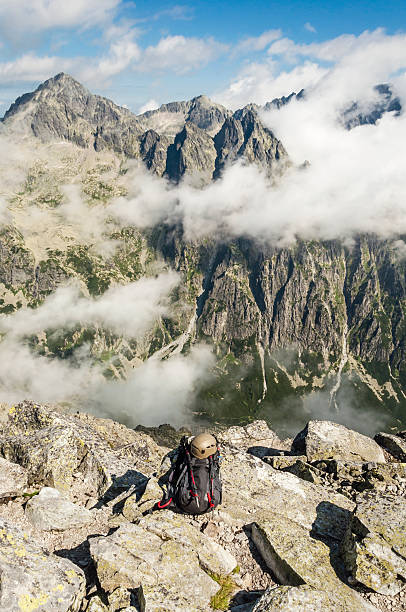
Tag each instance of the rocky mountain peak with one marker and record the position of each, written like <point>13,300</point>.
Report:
<point>177,138</point>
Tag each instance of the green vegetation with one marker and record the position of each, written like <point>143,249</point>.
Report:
<point>221,600</point>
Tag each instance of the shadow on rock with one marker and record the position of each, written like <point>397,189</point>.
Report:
<point>328,512</point>
<point>120,485</point>
<point>265,451</point>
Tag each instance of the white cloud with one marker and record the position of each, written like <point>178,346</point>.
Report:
<point>178,12</point>
<point>40,378</point>
<point>140,399</point>
<point>149,105</point>
<point>38,15</point>
<point>258,43</point>
<point>261,82</point>
<point>172,53</point>
<point>30,67</point>
<point>356,62</point>
<point>180,54</point>
<point>129,309</point>
<point>309,27</point>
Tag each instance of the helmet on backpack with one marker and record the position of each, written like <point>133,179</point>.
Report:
<point>203,445</point>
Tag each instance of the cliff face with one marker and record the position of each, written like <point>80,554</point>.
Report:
<point>314,317</point>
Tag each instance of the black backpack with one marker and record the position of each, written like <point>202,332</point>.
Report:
<point>194,485</point>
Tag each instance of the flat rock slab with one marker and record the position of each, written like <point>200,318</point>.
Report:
<point>297,558</point>
<point>170,526</point>
<point>327,440</point>
<point>50,511</point>
<point>298,599</point>
<point>395,445</point>
<point>13,479</point>
<point>165,568</point>
<point>253,489</point>
<point>374,547</point>
<point>33,579</point>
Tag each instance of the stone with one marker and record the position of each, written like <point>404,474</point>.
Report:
<point>13,479</point>
<point>135,505</point>
<point>298,599</point>
<point>169,525</point>
<point>321,440</point>
<point>256,436</point>
<point>296,558</point>
<point>252,489</point>
<point>167,574</point>
<point>50,511</point>
<point>96,605</point>
<point>284,461</point>
<point>120,598</point>
<point>364,475</point>
<point>304,470</point>
<point>32,578</point>
<point>374,546</point>
<point>54,446</point>
<point>395,445</point>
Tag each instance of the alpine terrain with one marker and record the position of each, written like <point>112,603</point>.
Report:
<point>312,327</point>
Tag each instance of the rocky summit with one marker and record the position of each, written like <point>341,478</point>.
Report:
<point>323,530</point>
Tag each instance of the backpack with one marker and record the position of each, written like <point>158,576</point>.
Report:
<point>194,485</point>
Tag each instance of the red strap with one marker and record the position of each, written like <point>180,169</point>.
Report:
<point>161,505</point>
<point>210,502</point>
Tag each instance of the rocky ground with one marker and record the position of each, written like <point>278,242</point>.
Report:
<point>315,523</point>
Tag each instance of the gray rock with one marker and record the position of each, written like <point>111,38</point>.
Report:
<point>50,511</point>
<point>192,152</point>
<point>321,440</point>
<point>374,547</point>
<point>284,462</point>
<point>253,489</point>
<point>166,573</point>
<point>256,437</point>
<point>78,454</point>
<point>299,599</point>
<point>169,526</point>
<point>96,605</point>
<point>395,445</point>
<point>13,479</point>
<point>296,558</point>
<point>32,578</point>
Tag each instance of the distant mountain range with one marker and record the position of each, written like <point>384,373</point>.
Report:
<point>286,322</point>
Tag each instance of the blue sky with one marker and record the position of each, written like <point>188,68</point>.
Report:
<point>145,53</point>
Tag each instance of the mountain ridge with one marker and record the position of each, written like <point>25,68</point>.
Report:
<point>63,108</point>
<point>310,326</point>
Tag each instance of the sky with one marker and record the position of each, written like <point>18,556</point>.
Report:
<point>142,54</point>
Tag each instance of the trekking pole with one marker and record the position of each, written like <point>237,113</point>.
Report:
<point>192,478</point>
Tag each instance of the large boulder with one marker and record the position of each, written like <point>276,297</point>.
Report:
<point>50,511</point>
<point>77,453</point>
<point>298,599</point>
<point>256,437</point>
<point>296,558</point>
<point>163,557</point>
<point>32,578</point>
<point>321,440</point>
<point>13,479</point>
<point>253,490</point>
<point>374,547</point>
<point>395,445</point>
